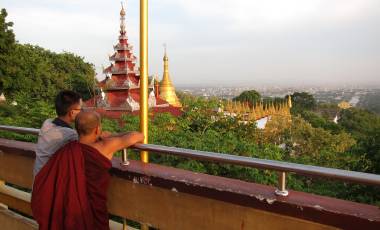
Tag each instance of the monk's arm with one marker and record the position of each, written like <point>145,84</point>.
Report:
<point>108,146</point>
<point>106,134</point>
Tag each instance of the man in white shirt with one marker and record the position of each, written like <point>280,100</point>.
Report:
<point>55,133</point>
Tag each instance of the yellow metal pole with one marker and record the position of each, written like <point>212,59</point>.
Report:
<point>144,75</point>
<point>144,80</point>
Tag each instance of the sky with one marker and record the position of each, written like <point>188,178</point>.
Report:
<point>219,42</point>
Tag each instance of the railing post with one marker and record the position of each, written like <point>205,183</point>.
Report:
<point>281,189</point>
<point>124,158</point>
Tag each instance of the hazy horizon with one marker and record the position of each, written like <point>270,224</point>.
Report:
<point>219,42</point>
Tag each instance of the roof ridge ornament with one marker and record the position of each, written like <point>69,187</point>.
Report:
<point>122,11</point>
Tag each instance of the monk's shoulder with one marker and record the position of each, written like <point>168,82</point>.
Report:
<point>98,146</point>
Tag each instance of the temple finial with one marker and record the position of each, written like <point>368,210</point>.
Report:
<point>122,11</point>
<point>165,53</point>
<point>165,46</point>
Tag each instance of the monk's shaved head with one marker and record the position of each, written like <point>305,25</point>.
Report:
<point>86,122</point>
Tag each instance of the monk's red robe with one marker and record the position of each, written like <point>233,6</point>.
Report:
<point>70,190</point>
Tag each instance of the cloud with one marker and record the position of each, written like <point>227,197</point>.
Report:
<point>268,14</point>
<point>218,41</point>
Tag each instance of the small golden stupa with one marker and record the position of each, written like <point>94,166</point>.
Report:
<point>344,105</point>
<point>290,101</point>
<point>167,90</point>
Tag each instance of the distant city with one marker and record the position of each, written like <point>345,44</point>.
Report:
<point>368,98</point>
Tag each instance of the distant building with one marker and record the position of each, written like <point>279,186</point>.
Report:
<point>120,90</point>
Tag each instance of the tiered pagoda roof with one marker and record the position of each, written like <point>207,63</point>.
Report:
<point>120,90</point>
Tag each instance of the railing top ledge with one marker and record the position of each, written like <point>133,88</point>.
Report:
<point>21,130</point>
<point>344,175</point>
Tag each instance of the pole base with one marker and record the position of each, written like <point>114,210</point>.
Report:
<point>281,192</point>
<point>124,163</point>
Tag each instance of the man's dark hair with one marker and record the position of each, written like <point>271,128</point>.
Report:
<point>64,100</point>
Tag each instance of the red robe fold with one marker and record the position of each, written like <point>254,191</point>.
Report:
<point>70,190</point>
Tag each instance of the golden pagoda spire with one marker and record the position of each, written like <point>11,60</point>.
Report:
<point>244,107</point>
<point>265,110</point>
<point>253,108</point>
<point>167,91</point>
<point>281,109</point>
<point>252,116</point>
<point>278,108</point>
<point>258,110</point>
<point>228,106</point>
<point>287,109</point>
<point>238,107</point>
<point>289,101</point>
<point>248,107</point>
<point>272,108</point>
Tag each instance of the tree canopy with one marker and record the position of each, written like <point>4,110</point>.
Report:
<point>37,72</point>
<point>303,101</point>
<point>7,42</point>
<point>251,96</point>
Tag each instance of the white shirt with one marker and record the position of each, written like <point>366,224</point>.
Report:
<point>51,138</point>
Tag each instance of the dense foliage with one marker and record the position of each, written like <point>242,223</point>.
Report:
<point>7,41</point>
<point>303,101</point>
<point>365,128</point>
<point>37,72</point>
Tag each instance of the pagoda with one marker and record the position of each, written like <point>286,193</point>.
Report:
<point>120,90</point>
<point>167,90</point>
<point>258,111</point>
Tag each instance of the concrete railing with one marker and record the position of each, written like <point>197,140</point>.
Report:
<point>169,198</point>
<point>280,166</point>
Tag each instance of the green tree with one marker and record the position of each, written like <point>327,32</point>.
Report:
<point>318,121</point>
<point>365,127</point>
<point>7,42</point>
<point>7,37</point>
<point>38,72</point>
<point>303,101</point>
<point>251,96</point>
<point>41,73</point>
<point>307,140</point>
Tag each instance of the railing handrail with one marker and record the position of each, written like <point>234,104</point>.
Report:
<point>309,170</point>
<point>281,166</point>
<point>21,130</point>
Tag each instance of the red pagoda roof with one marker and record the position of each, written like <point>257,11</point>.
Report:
<point>122,69</point>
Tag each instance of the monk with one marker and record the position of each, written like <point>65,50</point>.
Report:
<point>70,191</point>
